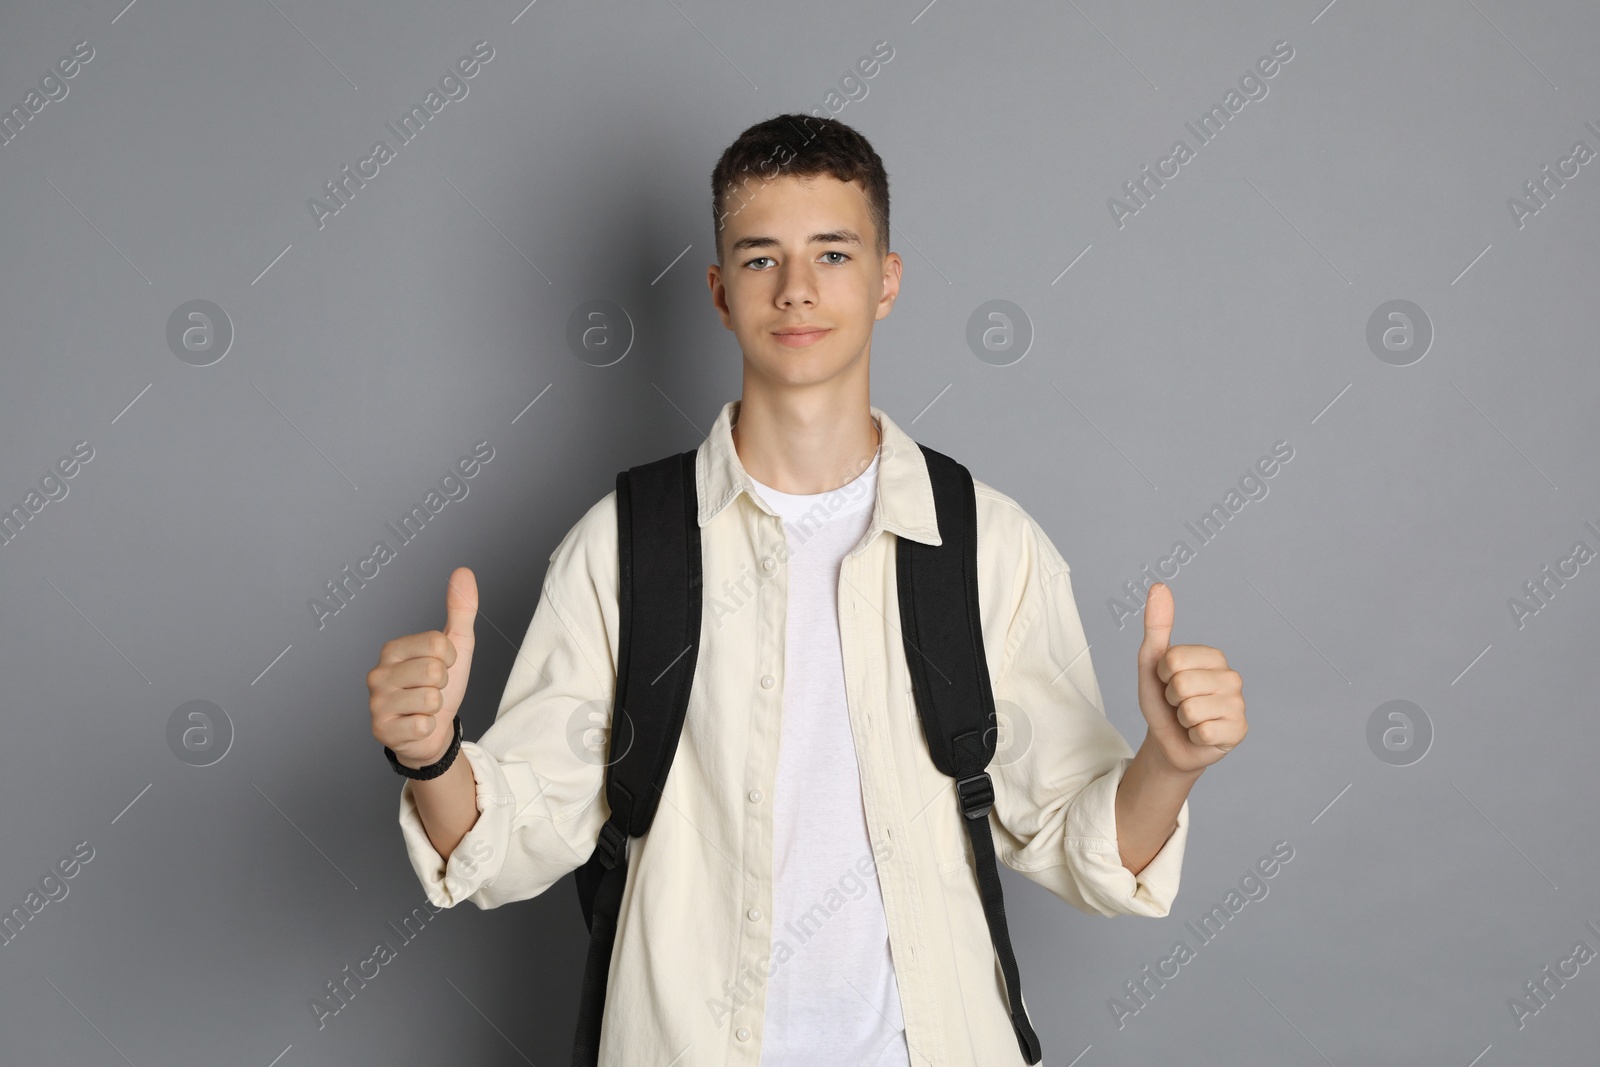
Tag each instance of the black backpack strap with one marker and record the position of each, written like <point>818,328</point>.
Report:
<point>658,555</point>
<point>941,626</point>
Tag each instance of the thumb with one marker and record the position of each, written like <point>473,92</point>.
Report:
<point>461,606</point>
<point>1157,637</point>
<point>1157,625</point>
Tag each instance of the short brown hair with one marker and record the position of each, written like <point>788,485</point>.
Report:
<point>800,146</point>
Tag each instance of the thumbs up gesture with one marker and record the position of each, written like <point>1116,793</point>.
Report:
<point>1192,700</point>
<point>417,686</point>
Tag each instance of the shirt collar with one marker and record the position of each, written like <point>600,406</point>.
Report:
<point>904,504</point>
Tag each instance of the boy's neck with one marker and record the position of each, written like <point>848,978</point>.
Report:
<point>804,443</point>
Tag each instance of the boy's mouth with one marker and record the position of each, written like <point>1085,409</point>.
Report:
<point>800,336</point>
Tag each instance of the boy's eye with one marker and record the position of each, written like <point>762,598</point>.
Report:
<point>843,256</point>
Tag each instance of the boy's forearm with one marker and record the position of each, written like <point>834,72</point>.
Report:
<point>447,805</point>
<point>1148,800</point>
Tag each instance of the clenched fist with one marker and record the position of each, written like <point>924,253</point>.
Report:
<point>417,686</point>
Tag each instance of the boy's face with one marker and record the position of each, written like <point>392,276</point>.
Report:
<point>802,252</point>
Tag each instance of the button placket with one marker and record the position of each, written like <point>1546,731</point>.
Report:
<point>768,648</point>
<point>868,637</point>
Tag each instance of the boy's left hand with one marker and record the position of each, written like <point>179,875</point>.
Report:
<point>1192,700</point>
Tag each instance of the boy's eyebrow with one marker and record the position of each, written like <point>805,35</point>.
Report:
<point>839,236</point>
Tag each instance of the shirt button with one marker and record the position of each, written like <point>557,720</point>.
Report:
<point>768,681</point>
<point>743,1033</point>
<point>754,914</point>
<point>755,796</point>
<point>769,564</point>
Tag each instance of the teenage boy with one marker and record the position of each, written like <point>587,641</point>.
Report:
<point>806,894</point>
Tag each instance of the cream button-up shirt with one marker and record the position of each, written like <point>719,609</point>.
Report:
<point>695,944</point>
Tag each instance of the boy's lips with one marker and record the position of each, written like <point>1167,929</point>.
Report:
<point>800,336</point>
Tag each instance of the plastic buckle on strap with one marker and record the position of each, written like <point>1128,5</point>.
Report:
<point>610,844</point>
<point>977,795</point>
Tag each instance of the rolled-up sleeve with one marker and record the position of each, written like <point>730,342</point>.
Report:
<point>540,767</point>
<point>1059,761</point>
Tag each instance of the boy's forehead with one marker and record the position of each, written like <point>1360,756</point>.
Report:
<point>792,202</point>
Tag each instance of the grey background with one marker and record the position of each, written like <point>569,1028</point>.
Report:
<point>1230,313</point>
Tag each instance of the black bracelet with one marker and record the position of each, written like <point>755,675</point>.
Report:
<point>432,770</point>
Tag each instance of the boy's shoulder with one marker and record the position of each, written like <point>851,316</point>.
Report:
<point>598,524</point>
<point>1006,524</point>
<point>596,529</point>
<point>583,566</point>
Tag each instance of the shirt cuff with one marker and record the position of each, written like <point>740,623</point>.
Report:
<point>1091,845</point>
<point>477,858</point>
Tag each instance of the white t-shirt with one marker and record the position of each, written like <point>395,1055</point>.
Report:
<point>835,1001</point>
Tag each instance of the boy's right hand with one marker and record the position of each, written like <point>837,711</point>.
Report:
<point>417,686</point>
